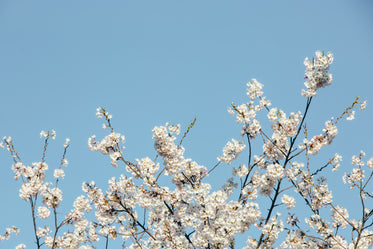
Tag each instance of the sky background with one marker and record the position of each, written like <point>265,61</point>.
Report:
<point>149,62</point>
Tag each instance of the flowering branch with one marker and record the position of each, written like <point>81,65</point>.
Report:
<point>186,213</point>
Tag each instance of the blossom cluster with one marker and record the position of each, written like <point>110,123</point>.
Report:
<point>188,212</point>
<point>317,74</point>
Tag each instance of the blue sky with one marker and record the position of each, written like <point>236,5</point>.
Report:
<point>149,62</point>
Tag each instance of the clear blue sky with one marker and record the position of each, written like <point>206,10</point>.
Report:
<point>149,62</point>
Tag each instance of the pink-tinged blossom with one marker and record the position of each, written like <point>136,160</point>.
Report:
<point>317,75</point>
<point>231,151</point>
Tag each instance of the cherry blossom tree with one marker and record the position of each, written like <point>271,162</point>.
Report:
<point>257,199</point>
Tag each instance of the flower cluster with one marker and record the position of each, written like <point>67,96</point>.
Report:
<point>231,151</point>
<point>246,113</point>
<point>109,145</point>
<point>8,232</point>
<point>317,73</point>
<point>187,211</point>
<point>34,185</point>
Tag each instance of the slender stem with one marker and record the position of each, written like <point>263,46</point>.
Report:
<point>216,165</point>
<point>34,221</point>
<point>56,227</point>
<point>361,227</point>
<point>249,166</point>
<point>107,242</point>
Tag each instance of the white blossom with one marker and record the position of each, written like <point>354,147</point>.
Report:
<point>66,142</point>
<point>58,173</point>
<point>254,89</point>
<point>339,216</point>
<point>351,116</point>
<point>43,212</point>
<point>370,163</point>
<point>363,105</point>
<point>317,74</point>
<point>150,205</point>
<point>231,151</point>
<point>275,171</point>
<point>288,201</point>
